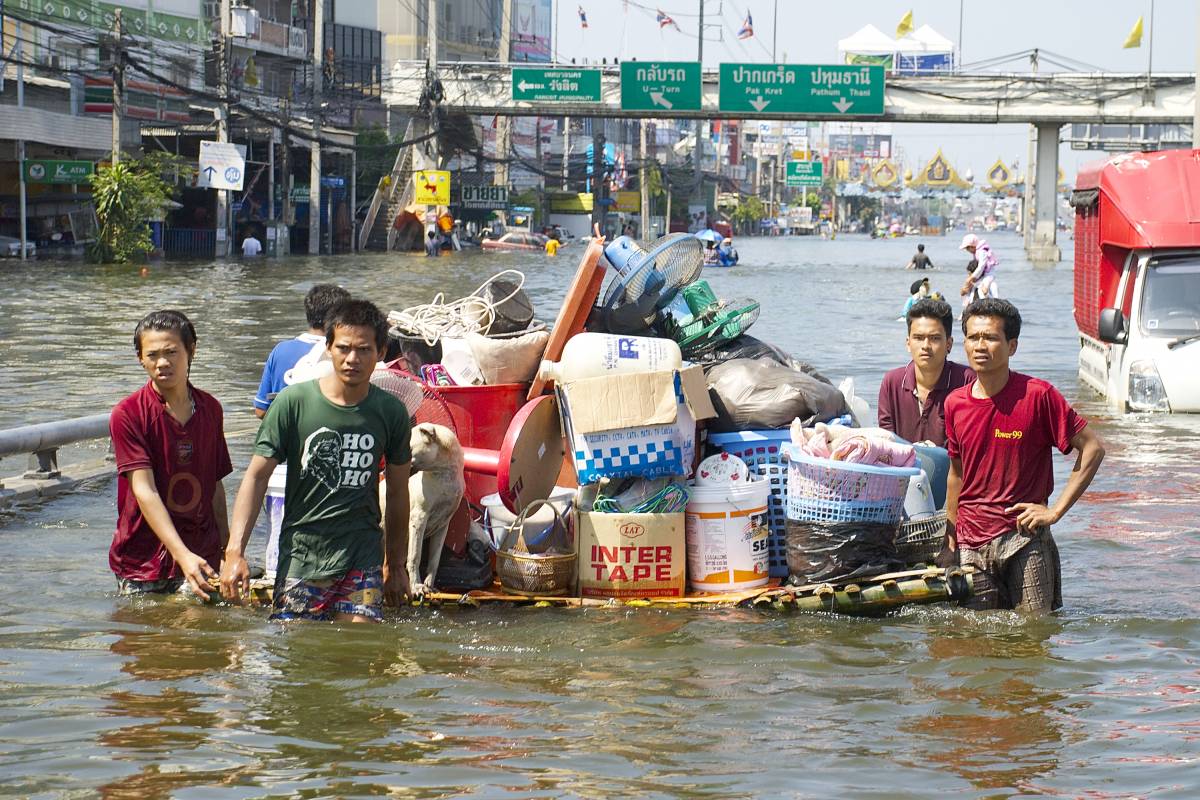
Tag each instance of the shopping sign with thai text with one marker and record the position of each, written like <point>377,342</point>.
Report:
<point>556,85</point>
<point>660,85</point>
<point>485,197</point>
<point>432,187</point>
<point>802,89</point>
<point>54,171</point>
<point>804,173</point>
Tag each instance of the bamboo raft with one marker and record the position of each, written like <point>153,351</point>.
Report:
<point>873,596</point>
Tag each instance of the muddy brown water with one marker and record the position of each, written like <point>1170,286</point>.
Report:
<point>162,698</point>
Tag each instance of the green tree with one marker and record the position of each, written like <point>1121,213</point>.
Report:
<point>127,195</point>
<point>748,213</point>
<point>376,155</point>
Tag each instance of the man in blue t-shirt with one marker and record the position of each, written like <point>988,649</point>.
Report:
<point>317,303</point>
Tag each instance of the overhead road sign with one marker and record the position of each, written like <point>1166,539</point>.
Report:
<point>42,170</point>
<point>805,173</point>
<point>802,89</point>
<point>660,85</point>
<point>432,187</point>
<point>222,166</point>
<point>556,85</point>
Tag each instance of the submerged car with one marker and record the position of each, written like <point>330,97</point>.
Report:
<point>515,240</point>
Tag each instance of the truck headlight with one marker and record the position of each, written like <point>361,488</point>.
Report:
<point>1146,392</point>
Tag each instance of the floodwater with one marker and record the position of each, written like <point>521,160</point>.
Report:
<point>103,696</point>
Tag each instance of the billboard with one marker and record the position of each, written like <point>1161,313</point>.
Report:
<point>531,31</point>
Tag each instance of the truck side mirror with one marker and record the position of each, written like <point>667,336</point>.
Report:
<point>1112,326</point>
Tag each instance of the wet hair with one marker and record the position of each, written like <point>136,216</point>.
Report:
<point>929,308</point>
<point>920,248</point>
<point>995,307</point>
<point>319,300</point>
<point>166,320</point>
<point>357,313</point>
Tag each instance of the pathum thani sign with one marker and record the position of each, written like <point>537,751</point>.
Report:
<point>432,187</point>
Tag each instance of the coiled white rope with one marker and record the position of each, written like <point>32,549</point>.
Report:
<point>471,314</point>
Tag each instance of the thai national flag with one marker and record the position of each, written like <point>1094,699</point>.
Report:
<point>582,18</point>
<point>747,29</point>
<point>664,20</point>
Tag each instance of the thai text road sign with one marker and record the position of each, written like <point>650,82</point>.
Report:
<point>660,85</point>
<point>432,187</point>
<point>485,197</point>
<point>802,89</point>
<point>556,85</point>
<point>222,166</point>
<point>53,171</point>
<point>804,173</point>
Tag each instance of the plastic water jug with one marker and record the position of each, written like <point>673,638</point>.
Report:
<point>595,355</point>
<point>918,502</point>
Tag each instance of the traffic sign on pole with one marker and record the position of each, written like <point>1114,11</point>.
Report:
<point>820,89</point>
<point>556,85</point>
<point>660,85</point>
<point>222,166</point>
<point>804,173</point>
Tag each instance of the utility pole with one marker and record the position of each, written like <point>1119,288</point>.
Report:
<point>698,152</point>
<point>643,175</point>
<point>314,172</point>
<point>1027,225</point>
<point>284,247</point>
<point>20,49</point>
<point>118,91</point>
<point>566,152</point>
<point>224,232</point>
<point>503,129</point>
<point>599,207</point>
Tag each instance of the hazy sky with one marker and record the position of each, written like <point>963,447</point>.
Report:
<point>1088,31</point>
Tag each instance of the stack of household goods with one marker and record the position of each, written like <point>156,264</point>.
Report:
<point>629,408</point>
<point>845,498</point>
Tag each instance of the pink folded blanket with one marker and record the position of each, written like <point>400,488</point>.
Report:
<point>875,451</point>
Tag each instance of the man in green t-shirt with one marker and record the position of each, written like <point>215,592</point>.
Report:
<point>333,433</point>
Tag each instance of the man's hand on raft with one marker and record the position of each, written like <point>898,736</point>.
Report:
<point>1032,516</point>
<point>235,578</point>
<point>396,588</point>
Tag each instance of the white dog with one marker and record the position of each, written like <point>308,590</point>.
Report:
<point>435,490</point>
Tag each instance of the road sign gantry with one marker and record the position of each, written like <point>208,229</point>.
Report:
<point>655,85</point>
<point>806,89</point>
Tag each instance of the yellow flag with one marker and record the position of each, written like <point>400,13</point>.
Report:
<point>905,26</point>
<point>1134,39</point>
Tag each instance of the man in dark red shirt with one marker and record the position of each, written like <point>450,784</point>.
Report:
<point>911,398</point>
<point>168,436</point>
<point>999,431</point>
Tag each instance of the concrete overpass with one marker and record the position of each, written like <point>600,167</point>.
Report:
<point>1046,100</point>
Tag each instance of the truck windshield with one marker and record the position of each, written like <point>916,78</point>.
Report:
<point>1171,298</point>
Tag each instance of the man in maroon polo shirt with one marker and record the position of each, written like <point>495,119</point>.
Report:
<point>168,436</point>
<point>1000,431</point>
<point>911,398</point>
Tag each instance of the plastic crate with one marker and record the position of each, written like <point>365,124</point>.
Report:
<point>919,541</point>
<point>761,450</point>
<point>823,490</point>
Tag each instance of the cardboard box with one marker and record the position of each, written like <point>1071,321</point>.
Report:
<point>622,426</point>
<point>629,555</point>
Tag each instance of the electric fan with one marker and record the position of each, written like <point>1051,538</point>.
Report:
<point>647,278</point>
<point>424,402</point>
<point>699,322</point>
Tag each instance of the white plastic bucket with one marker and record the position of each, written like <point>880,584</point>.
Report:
<point>274,506</point>
<point>727,537</point>
<point>498,517</point>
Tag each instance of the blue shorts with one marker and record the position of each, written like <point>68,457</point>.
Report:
<point>359,592</point>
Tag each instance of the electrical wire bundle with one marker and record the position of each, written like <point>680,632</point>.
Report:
<point>641,496</point>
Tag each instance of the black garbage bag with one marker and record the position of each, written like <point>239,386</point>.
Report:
<point>829,552</point>
<point>747,346</point>
<point>753,394</point>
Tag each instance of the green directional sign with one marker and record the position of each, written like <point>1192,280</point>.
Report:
<point>56,171</point>
<point>556,85</point>
<point>836,90</point>
<point>804,173</point>
<point>660,86</point>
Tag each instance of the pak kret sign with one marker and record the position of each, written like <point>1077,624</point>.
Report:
<point>802,89</point>
<point>54,171</point>
<point>804,173</point>
<point>660,85</point>
<point>432,187</point>
<point>556,85</point>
